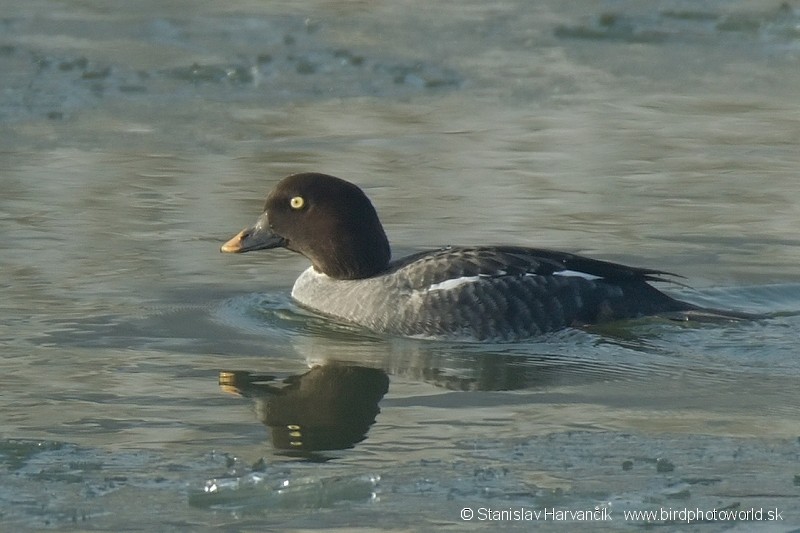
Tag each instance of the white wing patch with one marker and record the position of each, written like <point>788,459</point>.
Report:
<point>577,274</point>
<point>450,284</point>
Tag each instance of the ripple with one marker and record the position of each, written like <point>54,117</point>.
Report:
<point>276,315</point>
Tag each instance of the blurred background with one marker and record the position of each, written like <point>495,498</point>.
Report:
<point>139,135</point>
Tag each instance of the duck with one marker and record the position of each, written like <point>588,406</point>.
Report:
<point>473,293</point>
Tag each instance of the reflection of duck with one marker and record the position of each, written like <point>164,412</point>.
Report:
<point>478,293</point>
<point>330,407</point>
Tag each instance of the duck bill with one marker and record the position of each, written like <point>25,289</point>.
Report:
<point>249,239</point>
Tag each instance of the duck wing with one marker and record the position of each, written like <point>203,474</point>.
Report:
<point>448,265</point>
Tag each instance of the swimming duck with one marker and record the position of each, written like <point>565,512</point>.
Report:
<point>483,293</point>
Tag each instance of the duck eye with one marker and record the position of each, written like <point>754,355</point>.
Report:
<point>297,202</point>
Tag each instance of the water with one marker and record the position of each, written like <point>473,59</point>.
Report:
<point>138,363</point>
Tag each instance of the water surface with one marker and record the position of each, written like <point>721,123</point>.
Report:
<point>138,136</point>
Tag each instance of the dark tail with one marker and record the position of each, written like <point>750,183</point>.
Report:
<point>664,305</point>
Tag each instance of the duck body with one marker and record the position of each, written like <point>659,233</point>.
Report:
<point>485,293</point>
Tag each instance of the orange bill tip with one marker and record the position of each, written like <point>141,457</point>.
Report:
<point>234,245</point>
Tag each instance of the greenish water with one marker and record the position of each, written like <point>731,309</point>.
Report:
<point>138,136</point>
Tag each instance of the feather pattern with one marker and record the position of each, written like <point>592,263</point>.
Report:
<point>487,293</point>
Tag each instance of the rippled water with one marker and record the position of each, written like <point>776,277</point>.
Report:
<point>149,381</point>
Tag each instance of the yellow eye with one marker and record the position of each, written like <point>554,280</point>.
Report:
<point>297,202</point>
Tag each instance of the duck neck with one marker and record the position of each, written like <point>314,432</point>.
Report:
<point>354,258</point>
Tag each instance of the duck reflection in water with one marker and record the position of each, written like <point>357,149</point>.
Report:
<point>330,407</point>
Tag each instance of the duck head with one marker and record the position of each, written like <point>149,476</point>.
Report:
<point>328,220</point>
